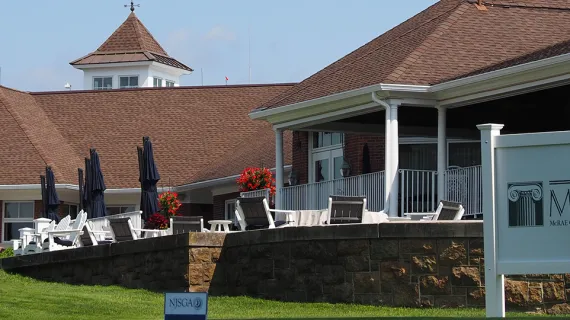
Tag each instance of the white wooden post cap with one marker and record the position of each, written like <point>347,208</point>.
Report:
<point>490,126</point>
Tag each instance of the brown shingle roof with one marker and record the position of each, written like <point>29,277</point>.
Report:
<point>191,129</point>
<point>131,42</point>
<point>447,40</point>
<point>256,151</point>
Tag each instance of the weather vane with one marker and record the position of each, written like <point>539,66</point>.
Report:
<point>132,6</point>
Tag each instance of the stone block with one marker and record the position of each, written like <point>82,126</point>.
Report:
<point>452,252</point>
<point>323,251</point>
<point>341,293</point>
<point>559,309</point>
<point>393,274</point>
<point>517,293</point>
<point>381,249</point>
<point>196,274</point>
<point>417,246</point>
<point>476,247</point>
<point>200,255</point>
<point>356,263</point>
<point>476,297</point>
<point>332,274</point>
<point>554,291</point>
<point>366,282</point>
<point>427,301</point>
<point>353,248</point>
<point>285,277</point>
<point>466,276</point>
<point>435,285</point>
<point>407,296</point>
<point>424,264</point>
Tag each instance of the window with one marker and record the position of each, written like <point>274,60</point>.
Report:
<point>102,83</point>
<point>464,154</point>
<point>156,82</point>
<point>129,82</point>
<point>327,156</point>
<point>327,139</point>
<point>17,215</point>
<point>69,209</point>
<point>111,210</point>
<point>230,211</point>
<point>169,83</point>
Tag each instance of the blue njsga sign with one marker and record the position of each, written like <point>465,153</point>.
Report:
<point>186,306</point>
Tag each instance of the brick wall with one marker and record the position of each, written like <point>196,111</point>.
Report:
<point>220,204</point>
<point>300,152</point>
<point>353,153</point>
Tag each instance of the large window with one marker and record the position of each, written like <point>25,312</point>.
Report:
<point>68,209</point>
<point>128,82</point>
<point>327,156</point>
<point>169,83</point>
<point>111,210</point>
<point>156,82</point>
<point>102,83</point>
<point>17,215</point>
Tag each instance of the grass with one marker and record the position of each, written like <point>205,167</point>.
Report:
<point>25,298</point>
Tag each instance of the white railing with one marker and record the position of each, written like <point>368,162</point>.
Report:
<point>464,185</point>
<point>101,223</point>
<point>256,193</point>
<point>315,196</point>
<point>418,191</point>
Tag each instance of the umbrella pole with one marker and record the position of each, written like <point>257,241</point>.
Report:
<point>140,158</point>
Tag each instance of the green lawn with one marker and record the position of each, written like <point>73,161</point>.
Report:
<point>25,298</point>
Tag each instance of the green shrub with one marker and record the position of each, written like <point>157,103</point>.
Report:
<point>6,253</point>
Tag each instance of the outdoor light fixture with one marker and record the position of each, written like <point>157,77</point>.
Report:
<point>292,178</point>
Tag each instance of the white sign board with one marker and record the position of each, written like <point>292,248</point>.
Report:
<point>526,203</point>
<point>186,306</point>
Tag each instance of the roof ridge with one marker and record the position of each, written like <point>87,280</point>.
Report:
<point>231,86</point>
<point>292,91</point>
<point>436,33</point>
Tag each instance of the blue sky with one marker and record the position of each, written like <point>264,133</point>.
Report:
<point>290,40</point>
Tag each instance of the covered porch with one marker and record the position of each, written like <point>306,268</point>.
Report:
<point>428,146</point>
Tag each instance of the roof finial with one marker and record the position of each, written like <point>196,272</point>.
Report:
<point>133,5</point>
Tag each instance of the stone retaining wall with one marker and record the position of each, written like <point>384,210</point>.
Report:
<point>396,264</point>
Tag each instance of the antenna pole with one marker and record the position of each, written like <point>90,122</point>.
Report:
<point>202,74</point>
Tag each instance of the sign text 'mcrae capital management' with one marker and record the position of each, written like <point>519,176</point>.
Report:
<point>559,203</point>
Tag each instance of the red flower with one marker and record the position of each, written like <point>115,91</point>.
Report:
<point>256,179</point>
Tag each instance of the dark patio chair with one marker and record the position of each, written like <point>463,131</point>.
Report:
<point>181,224</point>
<point>88,239</point>
<point>122,229</point>
<point>254,213</point>
<point>346,209</point>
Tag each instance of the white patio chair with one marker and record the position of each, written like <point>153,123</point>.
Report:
<point>67,239</point>
<point>446,210</point>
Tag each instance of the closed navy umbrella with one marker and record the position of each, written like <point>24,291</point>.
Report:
<point>87,188</point>
<point>149,179</point>
<point>52,200</point>
<point>97,184</point>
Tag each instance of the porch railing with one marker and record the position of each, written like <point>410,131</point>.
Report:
<point>315,196</point>
<point>464,185</point>
<point>418,191</point>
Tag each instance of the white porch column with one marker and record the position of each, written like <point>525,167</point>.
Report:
<point>387,168</point>
<point>394,160</point>
<point>441,151</point>
<point>278,167</point>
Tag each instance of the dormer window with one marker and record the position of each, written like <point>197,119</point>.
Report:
<point>169,83</point>
<point>102,83</point>
<point>156,82</point>
<point>126,82</point>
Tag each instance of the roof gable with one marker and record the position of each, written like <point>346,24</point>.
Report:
<point>131,36</point>
<point>449,39</point>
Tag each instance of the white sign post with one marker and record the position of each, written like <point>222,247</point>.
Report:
<point>186,306</point>
<point>526,207</point>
